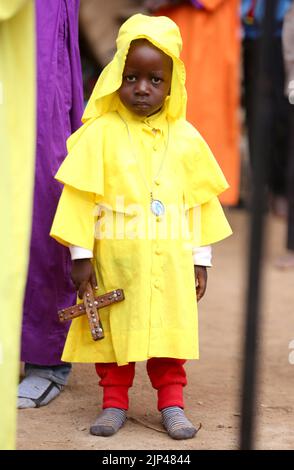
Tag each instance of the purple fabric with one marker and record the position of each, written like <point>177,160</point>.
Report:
<point>59,111</point>
<point>197,4</point>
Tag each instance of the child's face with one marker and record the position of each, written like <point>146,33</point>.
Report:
<point>146,78</point>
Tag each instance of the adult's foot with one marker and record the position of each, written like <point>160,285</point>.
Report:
<point>279,206</point>
<point>41,384</point>
<point>35,391</point>
<point>285,261</point>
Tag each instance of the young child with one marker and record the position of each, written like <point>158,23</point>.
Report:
<point>139,204</point>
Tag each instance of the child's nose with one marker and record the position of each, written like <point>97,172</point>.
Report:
<point>142,87</point>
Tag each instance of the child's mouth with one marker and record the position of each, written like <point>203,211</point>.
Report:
<point>141,104</point>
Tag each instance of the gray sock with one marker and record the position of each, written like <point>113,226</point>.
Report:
<point>176,423</point>
<point>109,421</point>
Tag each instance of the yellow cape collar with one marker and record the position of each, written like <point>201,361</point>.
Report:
<point>157,121</point>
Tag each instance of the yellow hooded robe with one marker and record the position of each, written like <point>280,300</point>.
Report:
<point>113,162</point>
<point>17,143</point>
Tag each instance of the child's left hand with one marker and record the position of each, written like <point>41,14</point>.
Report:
<point>200,280</point>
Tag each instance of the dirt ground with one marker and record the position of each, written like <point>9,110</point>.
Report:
<point>213,392</point>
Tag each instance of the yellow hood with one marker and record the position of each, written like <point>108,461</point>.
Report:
<point>92,148</point>
<point>164,34</point>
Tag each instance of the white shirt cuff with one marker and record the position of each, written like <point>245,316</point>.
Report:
<point>77,252</point>
<point>202,255</point>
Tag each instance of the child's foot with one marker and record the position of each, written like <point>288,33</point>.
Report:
<point>176,423</point>
<point>108,422</point>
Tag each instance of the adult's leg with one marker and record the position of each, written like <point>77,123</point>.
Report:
<point>41,384</point>
<point>280,138</point>
<point>272,87</point>
<point>48,289</point>
<point>290,237</point>
<point>250,47</point>
<point>286,261</point>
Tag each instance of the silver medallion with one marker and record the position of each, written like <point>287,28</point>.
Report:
<point>157,208</point>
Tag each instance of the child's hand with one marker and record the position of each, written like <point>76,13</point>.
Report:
<point>200,281</point>
<point>83,272</point>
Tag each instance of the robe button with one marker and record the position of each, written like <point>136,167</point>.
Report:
<point>158,252</point>
<point>157,182</point>
<point>156,284</point>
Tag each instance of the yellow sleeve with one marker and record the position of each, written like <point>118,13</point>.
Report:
<point>74,221</point>
<point>203,177</point>
<point>83,166</point>
<point>208,223</point>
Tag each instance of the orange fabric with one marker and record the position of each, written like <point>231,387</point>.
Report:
<point>211,53</point>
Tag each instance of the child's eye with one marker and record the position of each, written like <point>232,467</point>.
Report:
<point>130,78</point>
<point>156,80</point>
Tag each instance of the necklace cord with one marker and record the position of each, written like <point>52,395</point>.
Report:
<point>137,161</point>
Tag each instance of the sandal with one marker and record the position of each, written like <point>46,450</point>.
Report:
<point>35,391</point>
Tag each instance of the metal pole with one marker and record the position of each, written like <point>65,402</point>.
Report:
<point>260,149</point>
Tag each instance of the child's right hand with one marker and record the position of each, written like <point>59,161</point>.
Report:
<point>82,273</point>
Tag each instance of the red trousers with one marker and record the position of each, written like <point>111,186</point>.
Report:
<point>167,376</point>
